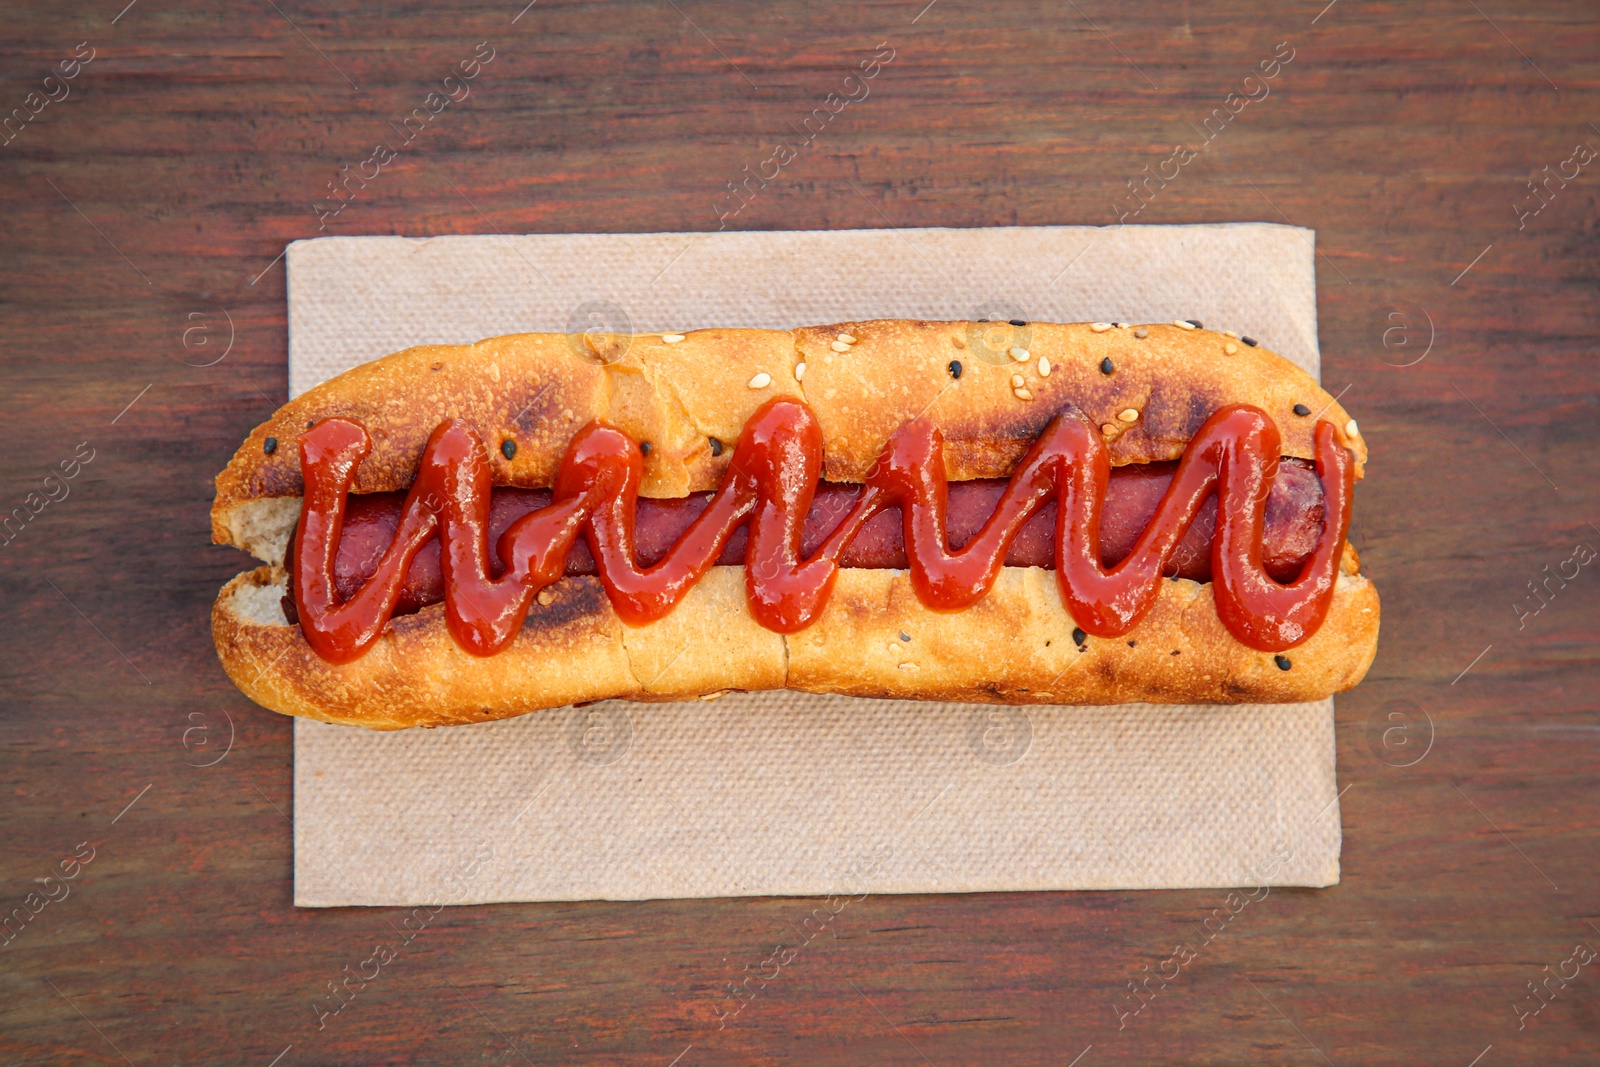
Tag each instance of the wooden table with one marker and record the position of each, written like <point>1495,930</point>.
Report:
<point>146,208</point>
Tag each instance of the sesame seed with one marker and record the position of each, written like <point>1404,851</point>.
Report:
<point>1128,415</point>
<point>1183,324</point>
<point>508,448</point>
<point>1229,349</point>
<point>1251,341</point>
<point>270,445</point>
<point>909,667</point>
<point>671,338</point>
<point>1023,394</point>
<point>1123,325</point>
<point>1229,333</point>
<point>955,368</point>
<point>545,598</point>
<point>1100,327</point>
<point>1044,367</point>
<point>800,371</point>
<point>1078,636</point>
<point>1141,333</point>
<point>1109,429</point>
<point>1016,381</point>
<point>847,339</point>
<point>904,636</point>
<point>1283,662</point>
<point>1018,322</point>
<point>1106,366</point>
<point>1351,430</point>
<point>839,346</point>
<point>1019,354</point>
<point>1302,410</point>
<point>1197,324</point>
<point>716,446</point>
<point>958,342</point>
<point>644,448</point>
<point>761,381</point>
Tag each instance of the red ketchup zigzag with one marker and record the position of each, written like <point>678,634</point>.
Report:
<point>769,485</point>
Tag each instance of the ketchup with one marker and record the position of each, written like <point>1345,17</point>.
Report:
<point>769,488</point>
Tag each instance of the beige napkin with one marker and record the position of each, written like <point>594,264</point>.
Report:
<point>786,793</point>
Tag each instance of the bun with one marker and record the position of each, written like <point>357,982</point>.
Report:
<point>689,399</point>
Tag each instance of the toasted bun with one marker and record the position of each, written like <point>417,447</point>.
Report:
<point>540,389</point>
<point>1014,646</point>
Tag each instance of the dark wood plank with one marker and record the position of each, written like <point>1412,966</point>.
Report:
<point>191,149</point>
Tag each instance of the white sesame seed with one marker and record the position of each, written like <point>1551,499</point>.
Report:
<point>1128,415</point>
<point>1141,333</point>
<point>847,339</point>
<point>909,667</point>
<point>1044,367</point>
<point>1109,429</point>
<point>1019,354</point>
<point>1183,324</point>
<point>1023,394</point>
<point>1229,349</point>
<point>1099,327</point>
<point>761,381</point>
<point>1229,333</point>
<point>1351,430</point>
<point>1017,382</point>
<point>958,342</point>
<point>545,597</point>
<point>839,346</point>
<point>671,338</point>
<point>1123,325</point>
<point>799,372</point>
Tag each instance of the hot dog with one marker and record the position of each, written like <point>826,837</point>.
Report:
<point>1100,514</point>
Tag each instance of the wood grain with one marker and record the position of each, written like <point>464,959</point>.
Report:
<point>191,149</point>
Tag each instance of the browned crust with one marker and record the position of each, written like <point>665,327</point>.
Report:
<point>1174,379</point>
<point>1014,647</point>
<point>540,389</point>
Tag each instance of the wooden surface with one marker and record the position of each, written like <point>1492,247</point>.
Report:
<point>144,212</point>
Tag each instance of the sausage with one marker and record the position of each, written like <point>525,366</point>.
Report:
<point>1293,525</point>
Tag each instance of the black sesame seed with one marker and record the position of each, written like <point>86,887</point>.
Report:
<point>270,445</point>
<point>311,424</point>
<point>1196,323</point>
<point>1177,652</point>
<point>1251,341</point>
<point>1106,366</point>
<point>508,448</point>
<point>1301,409</point>
<point>1132,643</point>
<point>904,636</point>
<point>644,448</point>
<point>1019,322</point>
<point>955,368</point>
<point>716,446</point>
<point>1079,637</point>
<point>1282,662</point>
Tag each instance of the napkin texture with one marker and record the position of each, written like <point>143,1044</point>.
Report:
<point>787,793</point>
